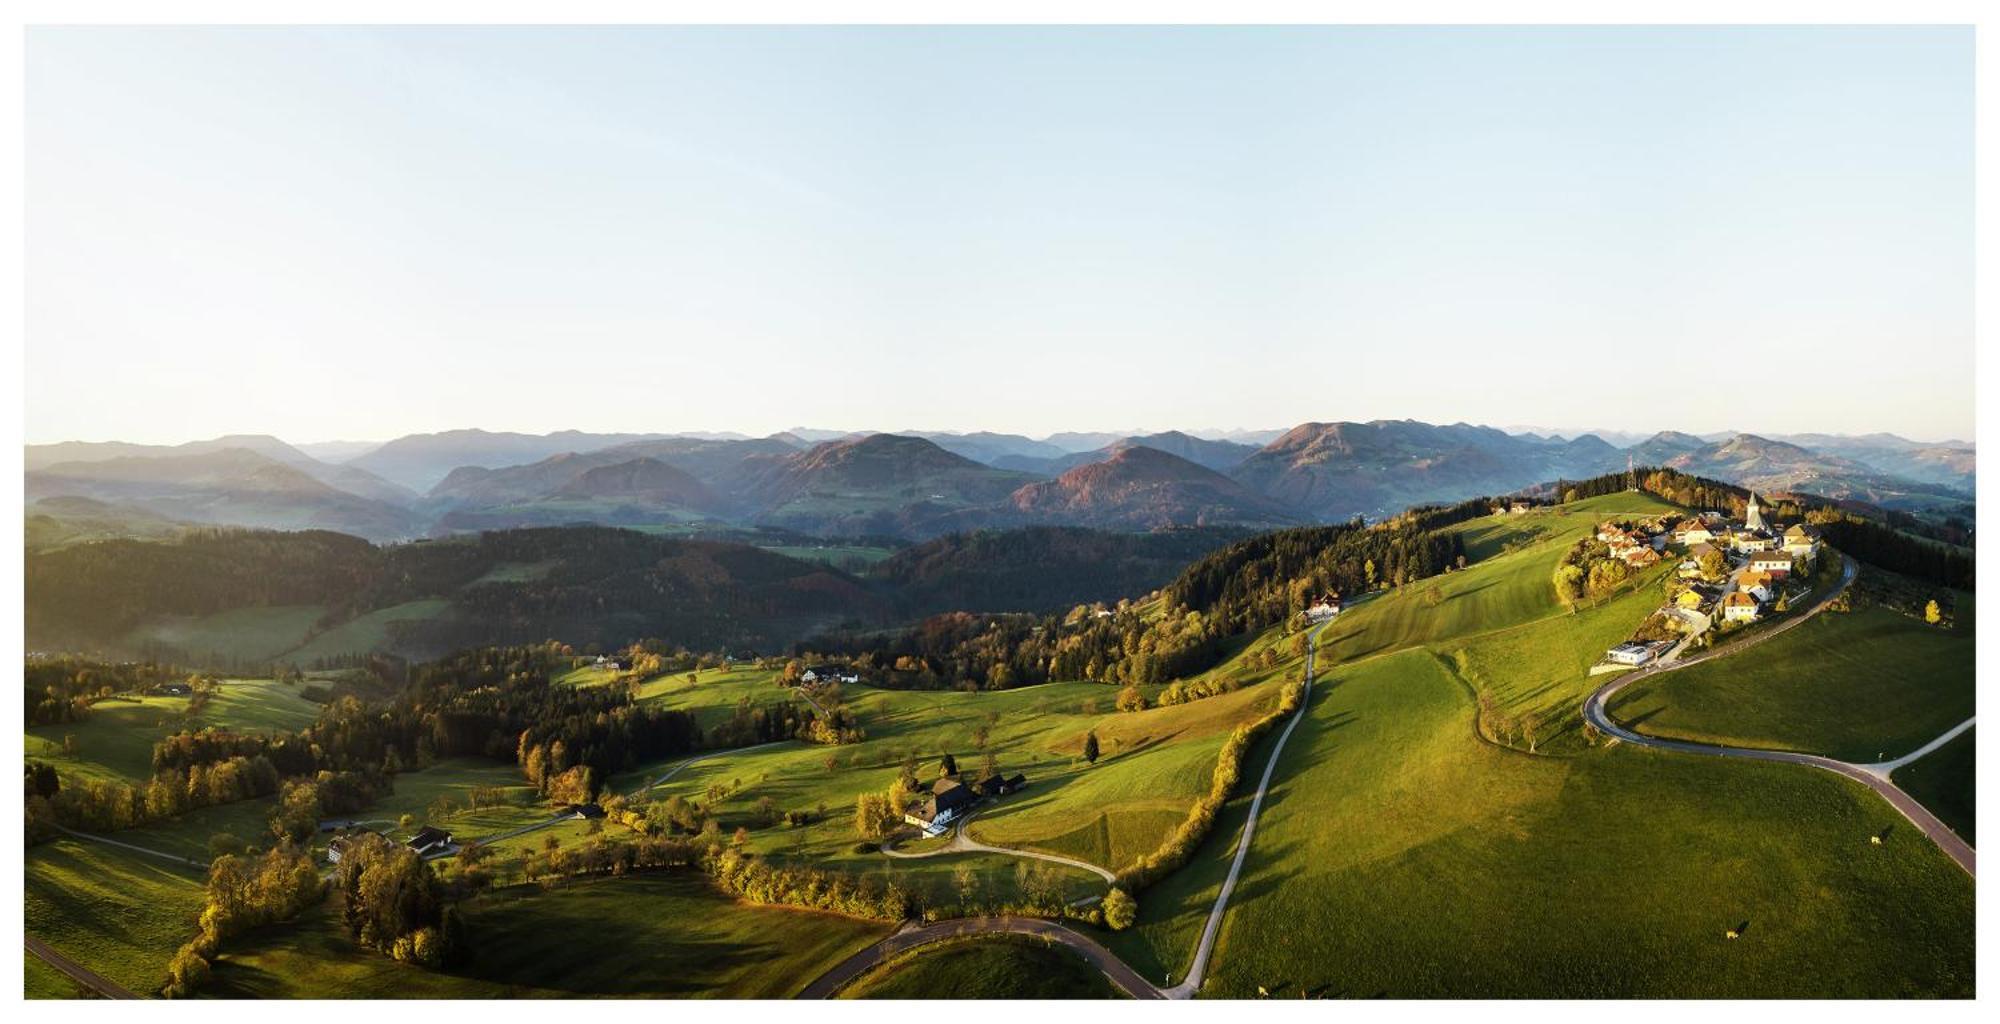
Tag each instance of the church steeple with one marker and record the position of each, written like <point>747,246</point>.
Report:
<point>1753,517</point>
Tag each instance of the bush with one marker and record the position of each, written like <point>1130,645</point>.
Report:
<point>1120,909</point>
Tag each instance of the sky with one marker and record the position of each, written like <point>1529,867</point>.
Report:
<point>361,233</point>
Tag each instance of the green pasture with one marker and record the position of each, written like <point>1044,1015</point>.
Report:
<point>1861,686</point>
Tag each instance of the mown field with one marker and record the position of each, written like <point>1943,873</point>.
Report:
<point>1943,780</point>
<point>999,967</point>
<point>670,935</point>
<point>1862,686</point>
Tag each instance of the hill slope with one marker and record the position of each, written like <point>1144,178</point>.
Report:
<point>232,486</point>
<point>1141,488</point>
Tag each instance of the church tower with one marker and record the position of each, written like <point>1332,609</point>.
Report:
<point>1753,517</point>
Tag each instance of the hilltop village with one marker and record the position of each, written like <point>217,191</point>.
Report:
<point>1730,574</point>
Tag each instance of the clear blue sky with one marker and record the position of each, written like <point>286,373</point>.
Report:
<point>362,233</point>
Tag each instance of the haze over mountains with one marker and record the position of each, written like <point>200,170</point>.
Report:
<point>909,485</point>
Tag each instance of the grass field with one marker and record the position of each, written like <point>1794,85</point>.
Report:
<point>40,981</point>
<point>999,967</point>
<point>1863,686</point>
<point>668,935</point>
<point>117,913</point>
<point>243,634</point>
<point>1943,781</point>
<point>1400,855</point>
<point>116,741</point>
<point>364,633</point>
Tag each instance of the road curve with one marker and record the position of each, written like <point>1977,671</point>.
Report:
<point>1594,711</point>
<point>962,842</point>
<point>76,972</point>
<point>1122,975</point>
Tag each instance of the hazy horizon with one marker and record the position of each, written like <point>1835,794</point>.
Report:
<point>355,233</point>
<point>1204,432</point>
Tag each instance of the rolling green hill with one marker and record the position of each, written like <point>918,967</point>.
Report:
<point>1865,686</point>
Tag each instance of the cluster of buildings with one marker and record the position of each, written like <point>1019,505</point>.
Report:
<point>1323,609</point>
<point>950,799</point>
<point>1752,558</point>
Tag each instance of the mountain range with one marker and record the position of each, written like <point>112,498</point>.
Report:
<point>910,486</point>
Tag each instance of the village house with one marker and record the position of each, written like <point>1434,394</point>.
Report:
<point>1801,542</point>
<point>1740,607</point>
<point>1639,557</point>
<point>1757,584</point>
<point>1776,563</point>
<point>1632,652</point>
<point>1693,532</point>
<point>1751,541</point>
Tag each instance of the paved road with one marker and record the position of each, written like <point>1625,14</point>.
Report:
<point>1198,970</point>
<point>824,986</point>
<point>1871,776</point>
<point>76,972</point>
<point>962,842</point>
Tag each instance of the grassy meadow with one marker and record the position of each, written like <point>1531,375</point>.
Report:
<point>1863,686</point>
<point>1401,855</point>
<point>667,935</point>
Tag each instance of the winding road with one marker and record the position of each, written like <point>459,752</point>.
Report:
<point>1874,776</point>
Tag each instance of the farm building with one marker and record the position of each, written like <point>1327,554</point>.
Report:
<point>431,841</point>
<point>948,801</point>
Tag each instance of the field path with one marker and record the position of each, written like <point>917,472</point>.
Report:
<point>911,937</point>
<point>76,972</point>
<point>1874,776</point>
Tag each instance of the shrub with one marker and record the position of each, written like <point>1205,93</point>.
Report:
<point>1120,909</point>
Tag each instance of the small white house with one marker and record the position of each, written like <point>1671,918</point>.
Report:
<point>1631,653</point>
